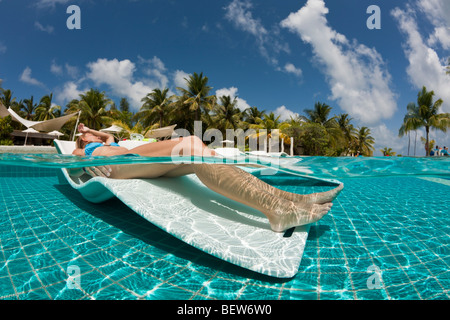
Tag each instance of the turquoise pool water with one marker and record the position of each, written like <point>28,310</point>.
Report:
<point>386,237</point>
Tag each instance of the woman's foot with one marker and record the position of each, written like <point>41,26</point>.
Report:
<point>296,214</point>
<point>319,197</point>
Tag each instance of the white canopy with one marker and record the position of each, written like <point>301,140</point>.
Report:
<point>28,131</point>
<point>163,132</point>
<point>56,133</point>
<point>46,126</point>
<point>114,128</point>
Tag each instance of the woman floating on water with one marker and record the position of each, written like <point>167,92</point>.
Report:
<point>283,209</point>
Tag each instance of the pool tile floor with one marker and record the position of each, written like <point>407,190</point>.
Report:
<point>385,238</point>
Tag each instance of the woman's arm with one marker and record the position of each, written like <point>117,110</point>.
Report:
<point>99,171</point>
<point>75,172</point>
<point>106,137</point>
<point>78,152</point>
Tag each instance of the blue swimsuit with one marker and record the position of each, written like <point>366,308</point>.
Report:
<point>90,147</point>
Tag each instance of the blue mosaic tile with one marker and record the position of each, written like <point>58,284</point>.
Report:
<point>45,228</point>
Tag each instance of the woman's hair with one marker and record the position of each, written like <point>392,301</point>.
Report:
<point>80,143</point>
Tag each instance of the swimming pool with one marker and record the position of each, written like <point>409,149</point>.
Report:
<point>386,237</point>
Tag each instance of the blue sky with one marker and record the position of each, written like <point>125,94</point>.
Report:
<point>280,56</point>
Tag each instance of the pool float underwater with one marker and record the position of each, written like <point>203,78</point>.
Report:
<point>204,219</point>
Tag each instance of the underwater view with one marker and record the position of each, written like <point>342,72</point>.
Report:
<point>386,237</point>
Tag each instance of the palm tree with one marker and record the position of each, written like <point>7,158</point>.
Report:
<point>425,114</point>
<point>269,127</point>
<point>432,143</point>
<point>124,105</point>
<point>252,115</point>
<point>181,114</point>
<point>410,123</point>
<point>348,133</point>
<point>227,115</point>
<point>29,107</point>
<point>128,129</point>
<point>320,115</point>
<point>387,152</point>
<point>6,97</point>
<point>365,141</point>
<point>270,121</point>
<point>448,66</point>
<point>9,102</point>
<point>156,107</point>
<point>45,110</point>
<point>197,94</point>
<point>92,105</point>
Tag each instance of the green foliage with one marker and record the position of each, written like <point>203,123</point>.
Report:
<point>156,108</point>
<point>93,106</point>
<point>5,131</point>
<point>448,66</point>
<point>387,152</point>
<point>314,138</point>
<point>317,133</point>
<point>196,96</point>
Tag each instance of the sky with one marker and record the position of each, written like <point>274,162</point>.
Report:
<point>366,58</point>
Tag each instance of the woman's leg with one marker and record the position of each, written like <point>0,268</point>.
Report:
<point>194,146</point>
<point>282,213</point>
<point>319,197</point>
<point>186,146</point>
<point>283,209</point>
<point>238,185</point>
<point>149,170</point>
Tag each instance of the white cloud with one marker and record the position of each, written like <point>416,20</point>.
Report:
<point>357,75</point>
<point>27,78</point>
<point>437,11</point>
<point>438,14</point>
<point>2,47</point>
<point>290,68</point>
<point>386,138</point>
<point>59,70</point>
<point>123,78</point>
<point>425,67</point>
<point>179,78</point>
<point>285,113</point>
<point>119,76</point>
<point>72,71</point>
<point>238,12</point>
<point>156,69</point>
<point>55,68</point>
<point>441,35</point>
<point>69,92</point>
<point>50,3</point>
<point>205,28</point>
<point>241,104</point>
<point>48,29</point>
